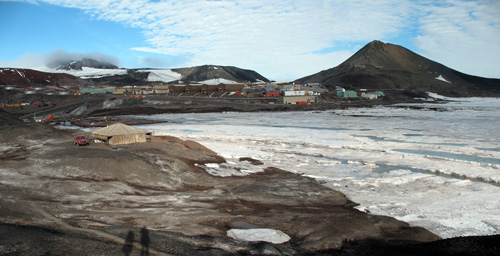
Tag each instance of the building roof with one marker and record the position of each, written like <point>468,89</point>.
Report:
<point>118,129</point>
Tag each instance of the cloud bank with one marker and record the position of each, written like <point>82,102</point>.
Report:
<point>39,60</point>
<point>287,39</point>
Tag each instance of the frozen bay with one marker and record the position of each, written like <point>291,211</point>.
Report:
<point>431,165</point>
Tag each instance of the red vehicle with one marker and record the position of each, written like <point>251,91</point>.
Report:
<point>81,140</point>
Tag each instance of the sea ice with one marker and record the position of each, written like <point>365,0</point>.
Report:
<point>367,154</point>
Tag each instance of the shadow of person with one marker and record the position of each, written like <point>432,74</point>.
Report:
<point>129,244</point>
<point>144,241</point>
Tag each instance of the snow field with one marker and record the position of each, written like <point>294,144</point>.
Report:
<point>86,72</point>
<point>164,75</point>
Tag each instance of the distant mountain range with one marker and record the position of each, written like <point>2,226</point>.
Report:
<point>377,66</point>
<point>207,74</point>
<point>386,66</point>
<point>79,64</point>
<point>79,73</point>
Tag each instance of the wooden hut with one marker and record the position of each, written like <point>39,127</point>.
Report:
<point>120,134</point>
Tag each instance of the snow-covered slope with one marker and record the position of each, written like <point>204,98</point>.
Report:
<point>163,75</point>
<point>86,72</point>
<point>218,81</point>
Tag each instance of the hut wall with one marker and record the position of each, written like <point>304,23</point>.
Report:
<point>127,139</point>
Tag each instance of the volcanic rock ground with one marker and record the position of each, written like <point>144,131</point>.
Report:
<point>58,197</point>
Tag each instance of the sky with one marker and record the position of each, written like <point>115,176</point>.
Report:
<point>283,40</point>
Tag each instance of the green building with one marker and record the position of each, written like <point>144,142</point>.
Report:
<point>347,94</point>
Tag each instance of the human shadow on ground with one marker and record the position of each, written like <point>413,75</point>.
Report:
<point>129,244</point>
<point>144,241</point>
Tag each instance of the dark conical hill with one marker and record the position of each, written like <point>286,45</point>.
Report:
<point>386,66</point>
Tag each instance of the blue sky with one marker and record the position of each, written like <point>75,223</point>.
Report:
<point>280,39</point>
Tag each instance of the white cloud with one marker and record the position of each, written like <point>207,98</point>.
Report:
<point>280,36</point>
<point>28,60</point>
<point>464,35</point>
<point>284,39</point>
<point>40,60</point>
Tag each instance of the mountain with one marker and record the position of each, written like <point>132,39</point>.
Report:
<point>213,72</point>
<point>32,78</point>
<point>384,66</point>
<point>208,74</point>
<point>79,64</point>
<point>88,72</point>
<point>98,72</point>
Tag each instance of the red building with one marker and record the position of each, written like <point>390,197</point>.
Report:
<point>272,94</point>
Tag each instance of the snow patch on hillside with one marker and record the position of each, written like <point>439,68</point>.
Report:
<point>218,81</point>
<point>86,72</point>
<point>163,75</point>
<point>440,77</point>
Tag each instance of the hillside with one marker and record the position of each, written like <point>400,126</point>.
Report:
<point>208,74</point>
<point>213,73</point>
<point>32,78</point>
<point>384,66</point>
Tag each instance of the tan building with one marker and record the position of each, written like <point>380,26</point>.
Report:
<point>120,134</point>
<point>162,89</point>
<point>299,99</point>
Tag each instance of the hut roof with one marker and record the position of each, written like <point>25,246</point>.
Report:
<point>118,129</point>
